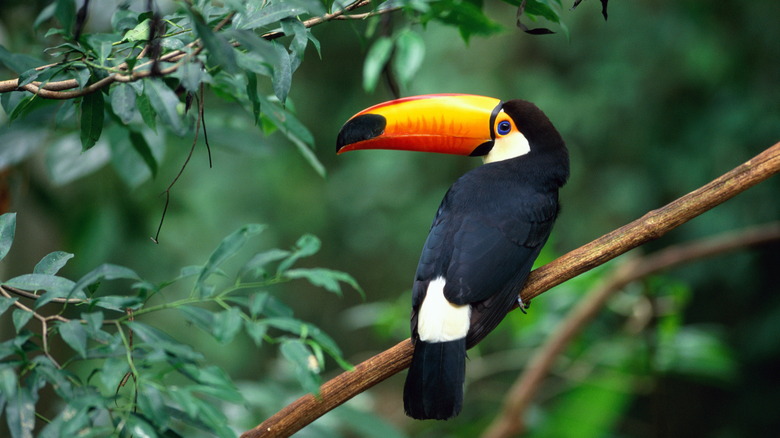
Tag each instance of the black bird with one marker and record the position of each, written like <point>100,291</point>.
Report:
<point>487,232</point>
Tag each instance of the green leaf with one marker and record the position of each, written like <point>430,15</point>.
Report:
<point>52,263</point>
<point>261,55</point>
<point>82,76</point>
<point>137,427</point>
<point>19,103</point>
<point>73,333</point>
<point>125,159</point>
<point>124,20</point>
<point>213,377</point>
<point>28,76</point>
<point>227,248</point>
<point>256,330</point>
<point>306,365</point>
<point>91,119</point>
<point>200,317</point>
<point>152,405</point>
<point>112,371</point>
<point>46,14</point>
<point>375,62</point>
<point>140,32</point>
<point>20,318</point>
<point>164,101</point>
<point>227,324</point>
<point>274,12</point>
<point>144,150</point>
<point>325,278</point>
<point>102,45</point>
<point>307,245</point>
<point>123,102</point>
<point>295,28</point>
<point>290,325</point>
<point>94,322</point>
<point>409,55</point>
<point>257,303</point>
<point>184,398</point>
<point>55,287</point>
<point>73,421</point>
<point>148,113</point>
<point>16,61</point>
<point>65,13</point>
<point>466,16</point>
<point>213,418</point>
<point>542,8</point>
<point>159,340</point>
<point>20,413</point>
<point>255,267</point>
<point>7,231</point>
<point>191,76</point>
<point>8,381</point>
<point>282,73</point>
<point>305,330</point>
<point>6,302</point>
<point>118,303</point>
<point>293,129</point>
<point>105,271</point>
<point>251,92</point>
<point>219,52</point>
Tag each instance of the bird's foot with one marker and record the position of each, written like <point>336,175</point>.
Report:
<point>523,305</point>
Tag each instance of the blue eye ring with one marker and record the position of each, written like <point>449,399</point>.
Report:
<point>504,127</point>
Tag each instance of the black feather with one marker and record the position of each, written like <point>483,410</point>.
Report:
<point>434,385</point>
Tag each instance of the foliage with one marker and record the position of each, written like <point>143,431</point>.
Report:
<point>126,377</point>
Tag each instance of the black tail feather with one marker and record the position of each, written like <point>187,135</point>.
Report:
<point>434,385</point>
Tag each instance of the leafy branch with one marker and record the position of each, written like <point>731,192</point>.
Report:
<point>509,422</point>
<point>651,226</point>
<point>128,346</point>
<point>57,89</point>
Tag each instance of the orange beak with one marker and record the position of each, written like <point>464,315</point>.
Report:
<point>444,123</point>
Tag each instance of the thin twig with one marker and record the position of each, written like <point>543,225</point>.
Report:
<point>509,422</point>
<point>167,191</point>
<point>650,226</point>
<point>201,115</point>
<point>34,296</point>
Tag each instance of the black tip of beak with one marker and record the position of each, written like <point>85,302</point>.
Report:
<point>360,128</point>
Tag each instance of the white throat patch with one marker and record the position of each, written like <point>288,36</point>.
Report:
<point>511,146</point>
<point>439,320</point>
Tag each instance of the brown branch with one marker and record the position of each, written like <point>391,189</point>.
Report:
<point>653,224</point>
<point>334,392</point>
<point>44,320</point>
<point>63,90</point>
<point>650,226</point>
<point>34,296</point>
<point>509,422</point>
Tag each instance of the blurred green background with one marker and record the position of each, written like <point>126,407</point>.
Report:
<point>653,103</point>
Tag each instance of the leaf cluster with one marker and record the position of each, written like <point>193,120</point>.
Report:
<point>146,71</point>
<point>124,376</point>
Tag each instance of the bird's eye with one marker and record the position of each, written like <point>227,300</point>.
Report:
<point>504,127</point>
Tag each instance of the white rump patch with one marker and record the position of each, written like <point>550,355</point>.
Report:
<point>505,148</point>
<point>439,320</point>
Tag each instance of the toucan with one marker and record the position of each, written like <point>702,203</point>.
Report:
<point>486,234</point>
